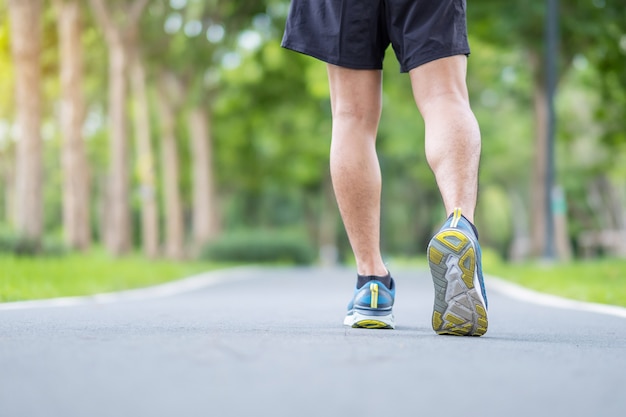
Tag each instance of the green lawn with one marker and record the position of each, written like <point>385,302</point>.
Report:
<point>601,281</point>
<point>23,278</point>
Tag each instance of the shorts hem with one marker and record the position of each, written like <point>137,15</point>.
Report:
<point>425,60</point>
<point>333,61</point>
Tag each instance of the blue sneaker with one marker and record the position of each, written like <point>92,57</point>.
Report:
<point>371,306</point>
<point>460,306</point>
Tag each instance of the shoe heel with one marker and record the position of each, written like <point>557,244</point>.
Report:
<point>458,309</point>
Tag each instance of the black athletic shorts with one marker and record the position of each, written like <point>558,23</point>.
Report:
<point>356,33</point>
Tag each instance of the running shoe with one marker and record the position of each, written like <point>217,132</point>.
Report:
<point>371,306</point>
<point>454,257</point>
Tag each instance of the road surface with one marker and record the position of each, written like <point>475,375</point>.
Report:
<point>270,342</point>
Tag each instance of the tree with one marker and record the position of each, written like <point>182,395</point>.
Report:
<point>194,60</point>
<point>205,225</point>
<point>117,23</point>
<point>145,154</point>
<point>509,25</point>
<point>169,98</point>
<point>26,33</point>
<point>76,224</point>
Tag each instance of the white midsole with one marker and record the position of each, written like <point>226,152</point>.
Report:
<point>356,317</point>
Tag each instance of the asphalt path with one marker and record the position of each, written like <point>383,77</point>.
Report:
<point>270,342</point>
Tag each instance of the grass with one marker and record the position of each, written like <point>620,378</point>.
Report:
<point>26,278</point>
<point>22,278</point>
<point>599,281</point>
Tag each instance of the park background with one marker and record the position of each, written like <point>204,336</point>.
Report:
<point>145,140</point>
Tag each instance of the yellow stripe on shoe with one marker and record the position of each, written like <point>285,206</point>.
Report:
<point>456,217</point>
<point>374,291</point>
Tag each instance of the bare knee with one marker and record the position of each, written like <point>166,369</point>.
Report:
<point>441,83</point>
<point>356,115</point>
<point>446,103</point>
<point>355,96</point>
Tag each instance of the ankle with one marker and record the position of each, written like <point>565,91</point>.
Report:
<point>374,271</point>
<point>364,279</point>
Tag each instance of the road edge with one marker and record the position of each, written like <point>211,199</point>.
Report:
<point>168,289</point>
<point>211,278</point>
<point>527,295</point>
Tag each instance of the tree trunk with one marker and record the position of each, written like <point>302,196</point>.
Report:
<point>145,160</point>
<point>205,212</point>
<point>174,225</point>
<point>7,176</point>
<point>26,36</point>
<point>76,223</point>
<point>562,244</point>
<point>118,36</point>
<point>520,244</point>
<point>539,222</point>
<point>539,203</point>
<point>607,202</point>
<point>119,232</point>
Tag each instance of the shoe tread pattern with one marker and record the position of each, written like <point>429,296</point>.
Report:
<point>457,309</point>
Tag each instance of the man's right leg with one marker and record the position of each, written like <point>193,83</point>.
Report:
<point>453,152</point>
<point>356,108</point>
<point>452,135</point>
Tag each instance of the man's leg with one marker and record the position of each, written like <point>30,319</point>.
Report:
<point>452,133</point>
<point>356,108</point>
<point>453,153</point>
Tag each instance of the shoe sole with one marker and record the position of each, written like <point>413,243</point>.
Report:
<point>458,308</point>
<point>361,321</point>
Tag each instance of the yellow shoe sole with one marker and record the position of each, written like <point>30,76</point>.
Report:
<point>458,309</point>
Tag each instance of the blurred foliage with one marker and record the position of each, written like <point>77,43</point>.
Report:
<point>271,124</point>
<point>12,244</point>
<point>261,246</point>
